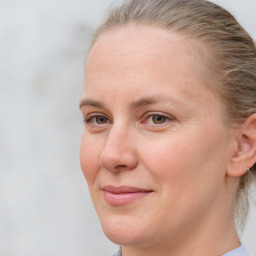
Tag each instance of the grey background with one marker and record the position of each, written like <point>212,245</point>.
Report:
<point>45,208</point>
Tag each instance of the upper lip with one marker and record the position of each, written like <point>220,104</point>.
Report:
<point>124,189</point>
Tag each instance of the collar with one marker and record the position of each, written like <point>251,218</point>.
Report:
<point>240,251</point>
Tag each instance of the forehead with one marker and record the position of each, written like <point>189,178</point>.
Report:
<point>143,58</point>
<point>131,44</point>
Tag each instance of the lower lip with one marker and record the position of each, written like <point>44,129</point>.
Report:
<point>123,198</point>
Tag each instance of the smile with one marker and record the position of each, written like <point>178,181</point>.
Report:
<point>118,196</point>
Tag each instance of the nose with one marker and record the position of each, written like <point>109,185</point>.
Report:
<point>119,152</point>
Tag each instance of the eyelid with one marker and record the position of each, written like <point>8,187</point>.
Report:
<point>148,120</point>
<point>145,118</point>
<point>90,116</point>
<point>149,114</point>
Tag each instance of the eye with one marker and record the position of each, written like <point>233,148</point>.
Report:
<point>158,119</point>
<point>101,119</point>
<point>96,119</point>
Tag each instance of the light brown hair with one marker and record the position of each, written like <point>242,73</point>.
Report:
<point>230,57</point>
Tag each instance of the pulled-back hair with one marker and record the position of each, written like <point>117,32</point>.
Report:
<point>230,57</point>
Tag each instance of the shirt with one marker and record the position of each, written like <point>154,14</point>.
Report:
<point>240,251</point>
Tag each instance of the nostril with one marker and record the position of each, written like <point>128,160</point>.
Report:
<point>118,156</point>
<point>118,162</point>
<point>121,166</point>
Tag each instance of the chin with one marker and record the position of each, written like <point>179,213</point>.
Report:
<point>123,230</point>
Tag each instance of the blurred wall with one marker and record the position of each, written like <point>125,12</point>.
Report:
<point>45,208</point>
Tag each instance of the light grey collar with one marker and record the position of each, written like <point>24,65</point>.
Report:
<point>240,251</point>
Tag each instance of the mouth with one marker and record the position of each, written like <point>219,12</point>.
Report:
<point>122,195</point>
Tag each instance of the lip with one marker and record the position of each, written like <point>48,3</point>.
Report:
<point>122,195</point>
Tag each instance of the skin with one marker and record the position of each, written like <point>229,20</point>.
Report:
<point>134,77</point>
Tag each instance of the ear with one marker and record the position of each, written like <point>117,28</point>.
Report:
<point>244,156</point>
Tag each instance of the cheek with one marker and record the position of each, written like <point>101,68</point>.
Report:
<point>188,171</point>
<point>183,158</point>
<point>168,162</point>
<point>89,158</point>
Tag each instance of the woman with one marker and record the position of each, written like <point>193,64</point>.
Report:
<point>169,146</point>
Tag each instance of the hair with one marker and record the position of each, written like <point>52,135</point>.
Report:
<point>230,57</point>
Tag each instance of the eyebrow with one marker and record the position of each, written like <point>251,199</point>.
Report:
<point>90,102</point>
<point>144,102</point>
<point>135,104</point>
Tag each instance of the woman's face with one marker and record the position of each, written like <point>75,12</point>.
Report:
<point>154,150</point>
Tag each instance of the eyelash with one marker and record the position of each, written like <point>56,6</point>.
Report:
<point>166,118</point>
<point>91,119</point>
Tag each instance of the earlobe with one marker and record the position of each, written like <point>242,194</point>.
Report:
<point>244,156</point>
